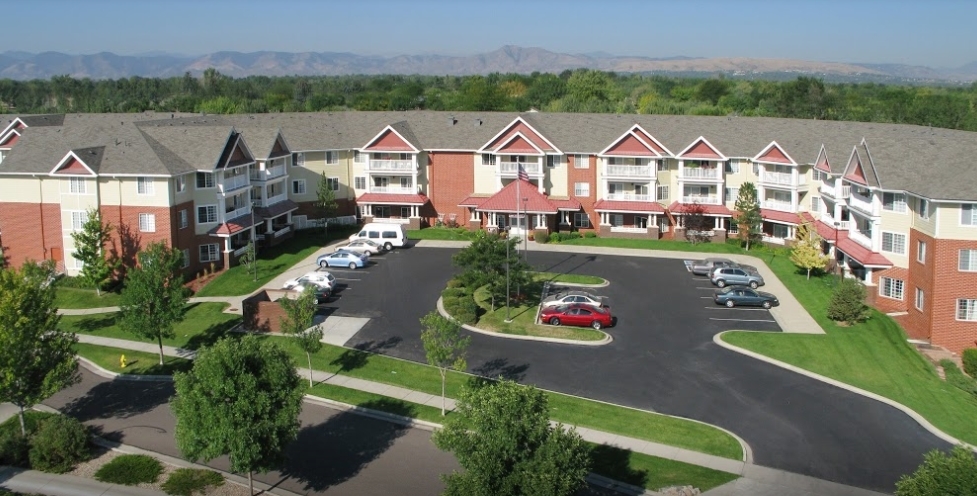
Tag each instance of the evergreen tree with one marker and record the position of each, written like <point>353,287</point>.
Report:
<point>748,218</point>
<point>484,261</point>
<point>848,302</point>
<point>806,252</point>
<point>90,244</point>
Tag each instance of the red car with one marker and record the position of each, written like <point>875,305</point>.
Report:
<point>577,314</point>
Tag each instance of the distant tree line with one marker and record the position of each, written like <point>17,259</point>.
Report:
<point>580,90</point>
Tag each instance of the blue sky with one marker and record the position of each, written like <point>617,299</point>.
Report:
<point>936,33</point>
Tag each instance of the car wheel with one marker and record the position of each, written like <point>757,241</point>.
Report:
<point>555,321</point>
<point>730,303</point>
<point>721,283</point>
<point>596,325</point>
<point>767,305</point>
<point>323,264</point>
<point>387,246</point>
<point>352,265</point>
<point>753,284</point>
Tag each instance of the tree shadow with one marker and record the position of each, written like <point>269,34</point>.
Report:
<point>500,368</point>
<point>352,442</point>
<point>119,399</point>
<point>129,242</point>
<point>584,260</point>
<point>211,335</point>
<point>615,463</point>
<point>90,325</point>
<point>379,346</point>
<point>350,360</point>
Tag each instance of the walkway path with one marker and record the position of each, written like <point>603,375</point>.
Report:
<point>762,480</point>
<point>34,482</point>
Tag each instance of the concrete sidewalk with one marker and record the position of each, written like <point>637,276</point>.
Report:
<point>34,482</point>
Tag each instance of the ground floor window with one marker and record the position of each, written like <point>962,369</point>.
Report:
<point>581,220</point>
<point>891,288</point>
<point>781,231</point>
<point>186,258</point>
<point>617,220</point>
<point>734,227</point>
<point>640,221</point>
<point>209,253</point>
<point>967,310</point>
<point>405,212</point>
<point>919,299</point>
<point>381,211</point>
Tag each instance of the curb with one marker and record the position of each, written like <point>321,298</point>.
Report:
<point>108,374</point>
<point>925,424</point>
<point>607,337</point>
<point>604,284</point>
<point>369,412</point>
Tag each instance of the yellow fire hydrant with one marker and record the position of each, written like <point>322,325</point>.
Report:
<point>122,361</point>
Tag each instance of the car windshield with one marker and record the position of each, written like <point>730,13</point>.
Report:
<point>561,308</point>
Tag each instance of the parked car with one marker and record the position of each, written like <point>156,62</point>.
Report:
<point>362,246</point>
<point>322,278</point>
<point>322,293</point>
<point>725,276</point>
<point>577,314</point>
<point>343,258</point>
<point>705,266</point>
<point>567,297</point>
<point>732,296</point>
<point>388,235</point>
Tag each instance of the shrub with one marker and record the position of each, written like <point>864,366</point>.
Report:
<point>573,235</point>
<point>590,234</point>
<point>60,443</point>
<point>455,283</point>
<point>543,238</point>
<point>956,378</point>
<point>970,362</point>
<point>848,303</point>
<point>130,470</point>
<point>14,449</point>
<point>32,420</point>
<point>463,309</point>
<point>186,481</point>
<point>941,473</point>
<point>449,293</point>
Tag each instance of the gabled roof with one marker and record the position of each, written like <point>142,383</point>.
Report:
<point>821,163</point>
<point>779,217</point>
<point>773,153</point>
<point>393,138</point>
<point>267,142</point>
<point>81,162</point>
<point>566,204</point>
<point>10,139</point>
<point>506,200</point>
<point>517,144</point>
<point>197,148</point>
<point>635,143</point>
<point>860,170</point>
<point>36,120</point>
<point>519,125</point>
<point>701,149</point>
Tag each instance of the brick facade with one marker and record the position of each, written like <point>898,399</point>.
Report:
<point>950,284</point>
<point>885,303</point>
<point>451,179</point>
<point>588,175</point>
<point>916,322</point>
<point>31,232</point>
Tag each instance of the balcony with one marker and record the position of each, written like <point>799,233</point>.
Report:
<point>839,193</point>
<point>781,205</point>
<point>862,239</point>
<point>391,166</point>
<point>238,212</point>
<point>629,229</point>
<point>398,190</point>
<point>701,199</point>
<point>830,221</point>
<point>642,171</point>
<point>780,179</point>
<point>700,174</point>
<point>231,183</point>
<point>268,174</point>
<point>267,202</point>
<point>391,220</point>
<point>512,168</point>
<point>627,197</point>
<point>862,203</point>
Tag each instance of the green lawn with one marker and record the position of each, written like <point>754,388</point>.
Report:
<point>377,402</point>
<point>204,324</point>
<point>657,244</point>
<point>568,278</point>
<point>651,472</point>
<point>84,298</point>
<point>137,363</point>
<point>272,262</point>
<point>524,321</point>
<point>441,234</point>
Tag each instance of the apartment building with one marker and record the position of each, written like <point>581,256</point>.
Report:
<point>896,205</point>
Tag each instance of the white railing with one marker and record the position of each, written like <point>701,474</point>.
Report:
<point>231,183</point>
<point>627,197</point>
<point>861,239</point>
<point>391,220</point>
<point>702,199</point>
<point>391,165</point>
<point>783,206</point>
<point>784,178</point>
<point>276,171</point>
<point>283,231</point>
<point>827,189</point>
<point>267,202</point>
<point>839,193</point>
<point>830,222</point>
<point>773,240</point>
<point>393,189</point>
<point>845,192</point>
<point>699,173</point>
<point>512,168</point>
<point>629,170</point>
<point>626,229</point>
<point>862,203</point>
<point>240,251</point>
<point>233,214</point>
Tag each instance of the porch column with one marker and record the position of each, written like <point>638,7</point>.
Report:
<point>793,196</point>
<point>472,214</point>
<point>868,276</point>
<point>227,244</point>
<point>718,223</point>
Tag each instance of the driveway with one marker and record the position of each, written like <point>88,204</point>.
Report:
<point>662,359</point>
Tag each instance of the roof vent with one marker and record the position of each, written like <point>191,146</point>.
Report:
<point>478,122</point>
<point>452,120</point>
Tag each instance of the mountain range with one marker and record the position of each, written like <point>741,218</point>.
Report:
<point>508,59</point>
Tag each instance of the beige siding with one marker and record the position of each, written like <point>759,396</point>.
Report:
<point>422,174</point>
<point>25,189</point>
<point>123,190</point>
<point>555,181</point>
<point>898,223</point>
<point>187,193</point>
<point>736,179</point>
<point>949,226</point>
<point>485,179</point>
<point>926,226</point>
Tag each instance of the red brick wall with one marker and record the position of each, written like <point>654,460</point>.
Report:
<point>451,179</point>
<point>589,175</point>
<point>918,324</point>
<point>949,285</point>
<point>886,304</point>
<point>29,234</point>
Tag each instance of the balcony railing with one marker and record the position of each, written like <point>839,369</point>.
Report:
<point>629,229</point>
<point>231,183</point>
<point>391,220</point>
<point>391,165</point>
<point>629,171</point>
<point>774,241</point>
<point>839,193</point>
<point>393,189</point>
<point>701,199</point>
<point>512,168</point>
<point>627,197</point>
<point>700,173</point>
<point>780,178</point>
<point>240,251</point>
<point>861,238</point>
<point>862,203</point>
<point>781,205</point>
<point>239,212</point>
<point>272,173</point>
<point>830,221</point>
<point>283,231</point>
<point>267,202</point>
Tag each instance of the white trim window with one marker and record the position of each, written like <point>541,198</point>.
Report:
<point>921,251</point>
<point>891,288</point>
<point>968,214</point>
<point>144,185</point>
<point>209,253</point>
<point>298,187</point>
<point>206,180</point>
<point>553,161</point>
<point>298,159</point>
<point>581,189</point>
<point>581,220</point>
<point>732,194</point>
<point>968,260</point>
<point>180,183</point>
<point>662,192</point>
<point>359,182</point>
<point>359,157</point>
<point>581,161</point>
<point>207,214</point>
<point>332,158</point>
<point>923,209</point>
<point>894,202</point>
<point>816,204</point>
<point>186,258</point>
<point>488,159</point>
<point>147,223</point>
<point>661,166</point>
<point>184,220</point>
<point>78,219</point>
<point>919,299</point>
<point>333,183</point>
<point>731,167</point>
<point>76,185</point>
<point>617,220</point>
<point>967,309</point>
<point>894,243</point>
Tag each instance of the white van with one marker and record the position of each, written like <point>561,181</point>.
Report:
<point>388,235</point>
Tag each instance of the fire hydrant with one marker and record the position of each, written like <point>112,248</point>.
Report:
<point>122,361</point>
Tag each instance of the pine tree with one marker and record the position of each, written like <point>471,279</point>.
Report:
<point>748,217</point>
<point>806,252</point>
<point>90,244</point>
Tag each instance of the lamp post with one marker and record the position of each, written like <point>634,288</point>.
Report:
<point>508,291</point>
<point>837,227</point>
<point>525,234</point>
<point>254,243</point>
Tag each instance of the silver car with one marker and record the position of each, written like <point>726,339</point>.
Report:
<point>568,297</point>
<point>724,276</point>
<point>706,266</point>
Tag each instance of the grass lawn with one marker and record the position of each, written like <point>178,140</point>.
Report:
<point>568,278</point>
<point>441,234</point>
<point>651,472</point>
<point>272,262</point>
<point>524,321</point>
<point>84,298</point>
<point>377,402</point>
<point>204,324</point>
<point>138,363</point>
<point>657,244</point>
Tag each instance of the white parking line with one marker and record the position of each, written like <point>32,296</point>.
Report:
<point>710,287</point>
<point>706,297</point>
<point>347,279</point>
<point>745,320</point>
<point>724,307</point>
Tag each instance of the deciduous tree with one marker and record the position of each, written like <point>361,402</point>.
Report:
<point>503,440</point>
<point>484,263</point>
<point>154,299</point>
<point>806,252</point>
<point>37,359</point>
<point>299,322</point>
<point>698,227</point>
<point>326,200</point>
<point>444,346</point>
<point>242,399</point>
<point>90,244</point>
<point>748,218</point>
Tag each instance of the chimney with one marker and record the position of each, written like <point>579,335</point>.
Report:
<point>451,121</point>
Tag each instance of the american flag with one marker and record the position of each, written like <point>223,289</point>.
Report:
<point>523,175</point>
